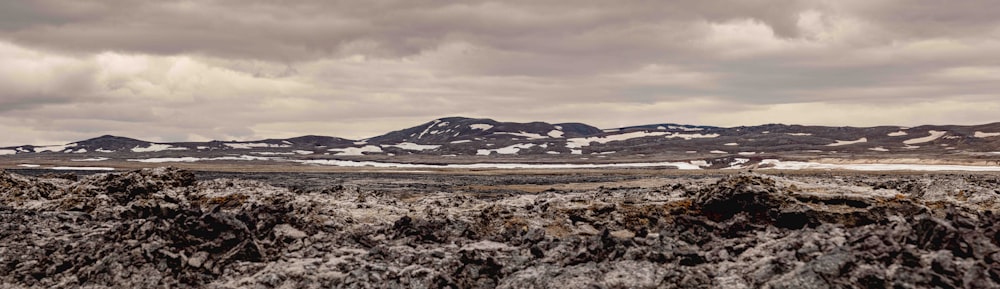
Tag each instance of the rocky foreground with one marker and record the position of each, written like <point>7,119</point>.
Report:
<point>163,228</point>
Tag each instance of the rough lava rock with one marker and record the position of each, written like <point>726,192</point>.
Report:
<point>162,228</point>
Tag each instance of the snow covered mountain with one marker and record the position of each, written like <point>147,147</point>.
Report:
<point>459,136</point>
<point>459,129</point>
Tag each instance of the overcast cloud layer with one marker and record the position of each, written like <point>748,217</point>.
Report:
<point>199,70</point>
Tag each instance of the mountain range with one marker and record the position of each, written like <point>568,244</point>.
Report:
<point>460,136</point>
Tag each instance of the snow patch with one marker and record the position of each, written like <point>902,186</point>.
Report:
<point>28,165</point>
<point>7,152</point>
<point>934,135</point>
<point>508,150</point>
<point>576,152</point>
<point>879,149</point>
<point>799,134</point>
<point>555,134</point>
<point>255,145</point>
<point>737,163</point>
<point>481,126</point>
<point>582,142</point>
<point>980,134</point>
<point>692,135</point>
<point>686,128</point>
<point>898,133</point>
<point>718,152</point>
<point>701,163</point>
<point>795,165</point>
<point>356,151</point>
<point>746,153</point>
<point>731,144</point>
<point>429,127</point>
<point>461,141</point>
<point>152,148</point>
<point>53,148</point>
<point>848,142</point>
<point>524,134</point>
<point>414,147</point>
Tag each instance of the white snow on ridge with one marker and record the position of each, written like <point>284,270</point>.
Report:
<point>154,148</point>
<point>429,127</point>
<point>462,141</point>
<point>980,134</point>
<point>53,148</point>
<point>582,142</point>
<point>481,126</point>
<point>255,145</point>
<point>799,134</point>
<point>731,144</point>
<point>934,135</point>
<point>7,152</point>
<point>898,133</point>
<point>555,134</point>
<point>879,149</point>
<point>678,165</point>
<point>686,128</point>
<point>794,165</point>
<point>848,142</point>
<point>718,152</point>
<point>414,147</point>
<point>508,150</point>
<point>29,165</point>
<point>690,136</point>
<point>355,151</point>
<point>524,134</point>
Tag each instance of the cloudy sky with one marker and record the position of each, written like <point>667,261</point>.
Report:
<point>249,69</point>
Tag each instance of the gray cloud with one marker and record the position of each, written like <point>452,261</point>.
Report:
<point>181,70</point>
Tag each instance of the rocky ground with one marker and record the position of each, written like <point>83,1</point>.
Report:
<point>167,228</point>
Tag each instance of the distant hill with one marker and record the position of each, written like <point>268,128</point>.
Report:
<point>480,137</point>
